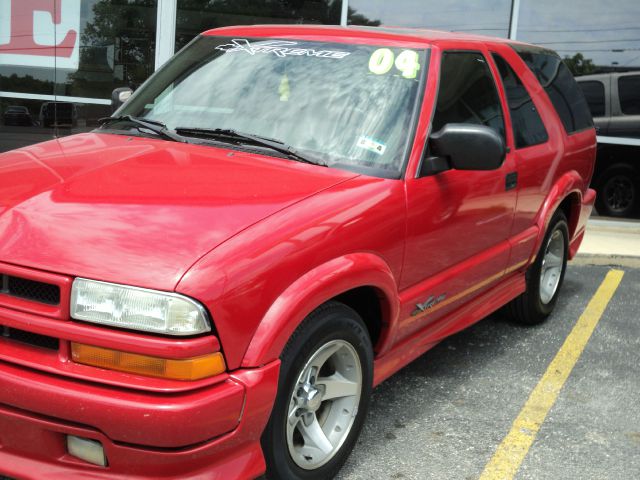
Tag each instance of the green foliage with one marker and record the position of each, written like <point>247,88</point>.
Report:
<point>26,84</point>
<point>579,65</point>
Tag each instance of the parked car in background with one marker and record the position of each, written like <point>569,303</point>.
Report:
<point>211,283</point>
<point>58,114</point>
<point>614,101</point>
<point>17,115</point>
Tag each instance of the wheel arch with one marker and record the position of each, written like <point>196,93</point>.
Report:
<point>354,279</point>
<point>570,206</point>
<point>565,195</point>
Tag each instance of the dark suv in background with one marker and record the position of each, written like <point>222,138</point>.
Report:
<point>17,115</point>
<point>614,101</point>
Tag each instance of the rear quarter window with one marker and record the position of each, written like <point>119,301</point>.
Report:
<point>561,87</point>
<point>528,128</point>
<point>629,92</point>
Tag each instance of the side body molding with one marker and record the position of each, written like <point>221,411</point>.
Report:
<point>313,289</point>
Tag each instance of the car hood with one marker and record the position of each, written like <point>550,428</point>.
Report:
<point>135,210</point>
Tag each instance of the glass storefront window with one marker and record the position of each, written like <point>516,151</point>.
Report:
<point>27,55</point>
<point>117,48</point>
<point>196,16</point>
<point>62,66</point>
<point>600,43</point>
<point>595,37</point>
<point>487,17</point>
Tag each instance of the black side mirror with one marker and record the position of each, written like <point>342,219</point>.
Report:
<point>464,147</point>
<point>119,96</point>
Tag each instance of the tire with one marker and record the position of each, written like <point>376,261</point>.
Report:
<point>544,278</point>
<point>331,342</point>
<point>619,191</point>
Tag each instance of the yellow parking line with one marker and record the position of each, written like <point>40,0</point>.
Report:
<point>511,452</point>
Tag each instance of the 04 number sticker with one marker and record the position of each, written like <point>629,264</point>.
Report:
<point>383,59</point>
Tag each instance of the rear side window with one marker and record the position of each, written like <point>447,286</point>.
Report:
<point>467,93</point>
<point>629,92</point>
<point>594,94</point>
<point>528,128</point>
<point>561,87</point>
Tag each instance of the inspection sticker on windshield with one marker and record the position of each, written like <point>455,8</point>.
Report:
<point>280,48</point>
<point>372,145</point>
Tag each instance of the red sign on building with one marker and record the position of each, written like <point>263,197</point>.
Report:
<point>40,33</point>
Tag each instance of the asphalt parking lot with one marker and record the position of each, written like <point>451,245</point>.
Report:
<point>444,415</point>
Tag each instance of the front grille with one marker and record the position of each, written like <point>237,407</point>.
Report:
<point>30,338</point>
<point>30,290</point>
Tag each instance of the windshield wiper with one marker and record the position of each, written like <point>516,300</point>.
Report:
<point>271,143</point>
<point>157,127</point>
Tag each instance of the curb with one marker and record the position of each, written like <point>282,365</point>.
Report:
<point>607,260</point>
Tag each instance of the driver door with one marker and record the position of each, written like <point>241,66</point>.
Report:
<point>458,220</point>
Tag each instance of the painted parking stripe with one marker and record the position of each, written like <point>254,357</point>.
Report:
<point>511,452</point>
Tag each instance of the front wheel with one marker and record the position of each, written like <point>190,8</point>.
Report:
<point>323,396</point>
<point>545,276</point>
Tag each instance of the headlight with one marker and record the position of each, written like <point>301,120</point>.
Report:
<point>137,308</point>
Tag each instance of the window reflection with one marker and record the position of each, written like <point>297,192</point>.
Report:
<point>117,48</point>
<point>600,44</point>
<point>196,16</point>
<point>25,70</point>
<point>487,17</point>
<point>597,37</point>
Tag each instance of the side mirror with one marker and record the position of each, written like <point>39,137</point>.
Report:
<point>119,96</point>
<point>464,147</point>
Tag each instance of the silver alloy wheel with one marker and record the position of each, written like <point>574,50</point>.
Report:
<point>551,268</point>
<point>324,404</point>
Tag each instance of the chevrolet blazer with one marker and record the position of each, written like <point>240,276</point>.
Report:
<point>210,284</point>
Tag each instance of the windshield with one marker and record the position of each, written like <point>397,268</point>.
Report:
<point>340,103</point>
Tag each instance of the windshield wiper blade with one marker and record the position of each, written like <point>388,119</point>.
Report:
<point>157,127</point>
<point>271,143</point>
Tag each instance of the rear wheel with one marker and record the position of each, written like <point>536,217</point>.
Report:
<point>323,396</point>
<point>545,276</point>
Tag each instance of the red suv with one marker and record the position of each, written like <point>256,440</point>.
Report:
<point>210,284</point>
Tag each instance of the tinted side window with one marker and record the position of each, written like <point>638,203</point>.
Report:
<point>561,87</point>
<point>594,94</point>
<point>528,128</point>
<point>467,93</point>
<point>629,91</point>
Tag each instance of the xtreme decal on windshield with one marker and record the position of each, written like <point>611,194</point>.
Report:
<point>280,48</point>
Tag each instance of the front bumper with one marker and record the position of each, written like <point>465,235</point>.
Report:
<point>211,433</point>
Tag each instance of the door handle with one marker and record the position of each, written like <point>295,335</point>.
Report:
<point>511,181</point>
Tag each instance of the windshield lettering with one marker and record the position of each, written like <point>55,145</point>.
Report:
<point>280,48</point>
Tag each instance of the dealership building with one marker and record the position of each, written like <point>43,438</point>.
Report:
<point>61,59</point>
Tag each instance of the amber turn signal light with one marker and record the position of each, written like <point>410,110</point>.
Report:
<point>184,369</point>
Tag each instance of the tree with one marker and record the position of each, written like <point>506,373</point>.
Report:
<point>579,65</point>
<point>117,40</point>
